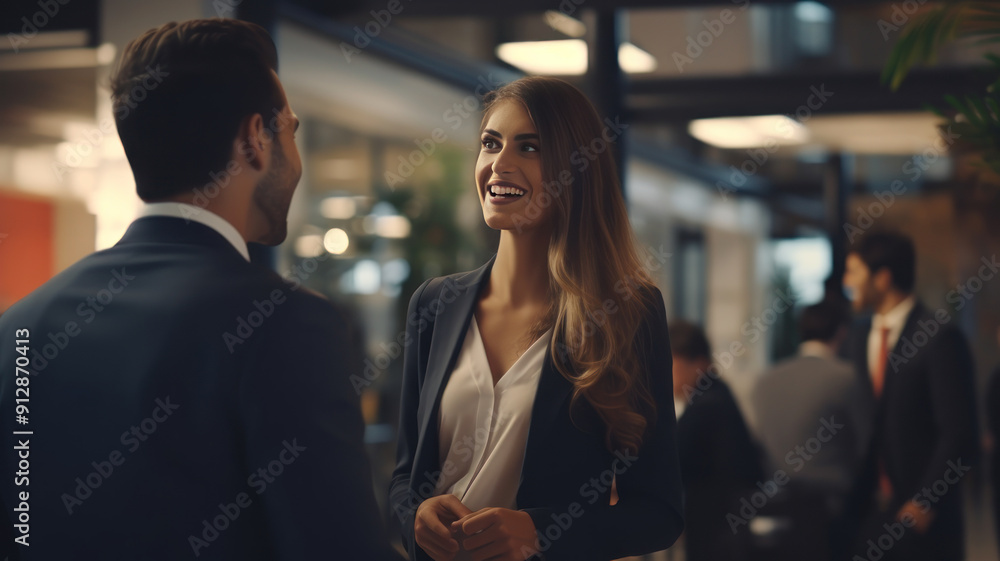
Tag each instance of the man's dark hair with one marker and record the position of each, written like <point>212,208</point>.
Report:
<point>820,322</point>
<point>886,250</point>
<point>688,340</point>
<point>180,93</point>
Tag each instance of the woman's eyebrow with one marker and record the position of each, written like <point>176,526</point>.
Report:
<point>523,136</point>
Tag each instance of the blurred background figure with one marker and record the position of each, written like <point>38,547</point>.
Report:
<point>992,434</point>
<point>812,418</point>
<point>925,439</point>
<point>719,461</point>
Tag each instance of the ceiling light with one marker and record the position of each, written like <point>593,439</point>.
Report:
<point>336,241</point>
<point>568,57</point>
<point>562,57</point>
<point>634,60</point>
<point>392,226</point>
<point>338,208</point>
<point>749,132</point>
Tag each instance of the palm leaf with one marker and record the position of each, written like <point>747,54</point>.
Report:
<point>928,31</point>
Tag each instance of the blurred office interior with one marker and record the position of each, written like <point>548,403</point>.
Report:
<point>755,138</point>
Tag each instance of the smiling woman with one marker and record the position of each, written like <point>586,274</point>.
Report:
<point>549,370</point>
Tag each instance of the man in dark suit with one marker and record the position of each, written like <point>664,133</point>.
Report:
<point>720,464</point>
<point>919,368</point>
<point>179,401</point>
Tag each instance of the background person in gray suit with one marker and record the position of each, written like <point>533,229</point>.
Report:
<point>812,416</point>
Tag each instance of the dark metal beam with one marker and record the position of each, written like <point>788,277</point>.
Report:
<point>604,77</point>
<point>432,61</point>
<point>681,100</point>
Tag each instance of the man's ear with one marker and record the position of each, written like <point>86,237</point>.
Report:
<point>253,141</point>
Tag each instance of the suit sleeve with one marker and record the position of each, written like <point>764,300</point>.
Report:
<point>401,501</point>
<point>649,514</point>
<point>301,408</point>
<point>953,405</point>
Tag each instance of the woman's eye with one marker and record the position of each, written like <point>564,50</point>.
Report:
<point>489,143</point>
<point>529,148</point>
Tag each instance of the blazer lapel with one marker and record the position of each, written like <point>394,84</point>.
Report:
<point>893,365</point>
<point>449,328</point>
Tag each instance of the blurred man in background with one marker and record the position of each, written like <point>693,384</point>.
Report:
<point>812,418</point>
<point>920,372</point>
<point>993,434</point>
<point>719,462</point>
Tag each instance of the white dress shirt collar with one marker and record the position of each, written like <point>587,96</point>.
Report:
<point>817,349</point>
<point>895,318</point>
<point>893,321</point>
<point>202,216</point>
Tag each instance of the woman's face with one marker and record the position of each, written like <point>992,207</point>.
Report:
<point>509,170</point>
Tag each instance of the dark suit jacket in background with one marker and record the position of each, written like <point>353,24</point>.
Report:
<point>720,464</point>
<point>925,423</point>
<point>561,461</point>
<point>281,402</point>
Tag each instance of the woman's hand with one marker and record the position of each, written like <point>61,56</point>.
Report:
<point>431,526</point>
<point>498,534</point>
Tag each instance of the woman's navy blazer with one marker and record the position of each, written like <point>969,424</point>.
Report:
<point>567,470</point>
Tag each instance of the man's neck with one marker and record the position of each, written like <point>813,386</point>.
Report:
<point>892,299</point>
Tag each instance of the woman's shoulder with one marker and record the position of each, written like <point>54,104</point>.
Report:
<point>449,287</point>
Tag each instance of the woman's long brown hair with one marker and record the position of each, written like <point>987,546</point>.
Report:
<point>593,262</point>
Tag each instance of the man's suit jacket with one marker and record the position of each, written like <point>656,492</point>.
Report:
<point>186,403</point>
<point>720,464</point>
<point>567,470</point>
<point>926,430</point>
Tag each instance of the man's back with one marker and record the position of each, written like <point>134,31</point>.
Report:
<point>812,420</point>
<point>184,402</point>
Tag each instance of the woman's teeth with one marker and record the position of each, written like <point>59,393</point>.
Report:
<point>498,190</point>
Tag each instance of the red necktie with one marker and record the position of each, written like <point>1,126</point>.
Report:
<point>878,383</point>
<point>878,376</point>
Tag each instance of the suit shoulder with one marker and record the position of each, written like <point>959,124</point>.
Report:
<point>436,287</point>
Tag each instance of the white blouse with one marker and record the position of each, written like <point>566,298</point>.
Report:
<point>484,428</point>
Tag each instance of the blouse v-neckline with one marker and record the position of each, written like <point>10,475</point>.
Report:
<point>481,346</point>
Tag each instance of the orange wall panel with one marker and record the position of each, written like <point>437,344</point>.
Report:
<point>27,252</point>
